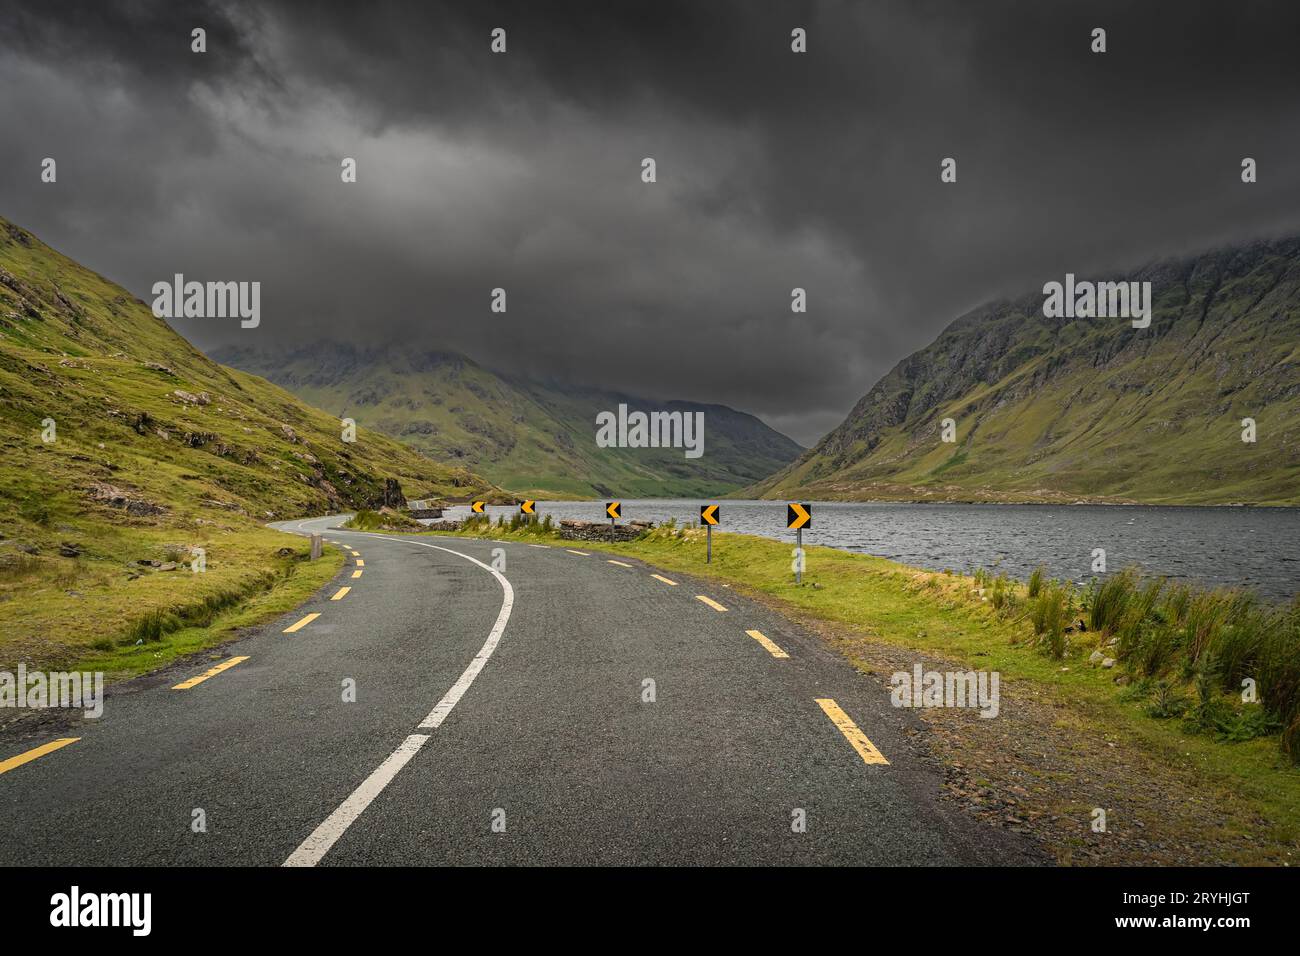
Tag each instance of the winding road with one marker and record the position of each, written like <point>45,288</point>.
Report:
<point>514,704</point>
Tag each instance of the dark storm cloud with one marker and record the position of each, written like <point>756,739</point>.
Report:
<point>522,171</point>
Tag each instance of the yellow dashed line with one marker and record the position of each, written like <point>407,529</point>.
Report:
<point>619,563</point>
<point>41,751</point>
<point>571,551</point>
<point>660,577</point>
<point>767,643</point>
<point>356,573</point>
<point>710,602</point>
<point>865,748</point>
<point>223,666</point>
<point>360,563</point>
<point>301,624</point>
<point>356,554</point>
<point>340,594</point>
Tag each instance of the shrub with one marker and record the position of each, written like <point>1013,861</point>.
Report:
<point>1036,582</point>
<point>1279,676</point>
<point>1151,648</point>
<point>1050,613</point>
<point>1111,599</point>
<point>365,520</point>
<point>1166,702</point>
<point>151,626</point>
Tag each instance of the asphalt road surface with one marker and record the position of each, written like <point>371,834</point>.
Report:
<point>557,708</point>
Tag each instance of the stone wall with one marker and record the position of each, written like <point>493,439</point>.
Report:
<point>573,530</point>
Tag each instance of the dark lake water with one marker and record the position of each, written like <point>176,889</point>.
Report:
<point>1255,547</point>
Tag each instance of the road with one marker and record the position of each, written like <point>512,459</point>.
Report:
<point>500,717</point>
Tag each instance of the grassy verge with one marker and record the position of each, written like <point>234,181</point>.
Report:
<point>1251,789</point>
<point>284,591</point>
<point>130,602</point>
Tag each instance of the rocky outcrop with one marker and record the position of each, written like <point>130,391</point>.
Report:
<point>392,494</point>
<point>115,497</point>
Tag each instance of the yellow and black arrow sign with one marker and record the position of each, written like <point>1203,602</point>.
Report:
<point>614,509</point>
<point>709,514</point>
<point>528,507</point>
<point>798,516</point>
<point>477,507</point>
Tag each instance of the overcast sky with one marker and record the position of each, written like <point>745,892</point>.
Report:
<point>523,170</point>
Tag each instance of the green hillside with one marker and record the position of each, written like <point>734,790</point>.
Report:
<point>537,439</point>
<point>157,451</point>
<point>1062,410</point>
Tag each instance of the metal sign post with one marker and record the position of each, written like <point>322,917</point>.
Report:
<point>798,566</point>
<point>798,516</point>
<point>709,516</point>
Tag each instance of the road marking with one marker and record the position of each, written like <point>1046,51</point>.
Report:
<point>340,594</point>
<point>767,643</point>
<point>540,546</point>
<point>301,624</point>
<point>360,563</point>
<point>852,733</point>
<point>710,602</point>
<point>223,666</point>
<point>41,751</point>
<point>311,850</point>
<point>356,574</point>
<point>356,554</point>
<point>619,563</point>
<point>583,553</point>
<point>660,577</point>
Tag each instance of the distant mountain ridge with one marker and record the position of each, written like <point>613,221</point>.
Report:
<point>1069,409</point>
<point>532,437</point>
<point>127,452</point>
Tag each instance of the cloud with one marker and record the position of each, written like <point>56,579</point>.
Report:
<point>522,171</point>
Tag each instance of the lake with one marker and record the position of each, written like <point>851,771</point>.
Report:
<point>1254,547</point>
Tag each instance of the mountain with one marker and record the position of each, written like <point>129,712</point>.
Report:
<point>123,443</point>
<point>1067,409</point>
<point>534,438</point>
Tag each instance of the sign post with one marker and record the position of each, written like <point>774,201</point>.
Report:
<point>477,507</point>
<point>709,516</point>
<point>612,508</point>
<point>528,508</point>
<point>798,516</point>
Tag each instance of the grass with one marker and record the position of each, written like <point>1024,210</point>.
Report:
<point>386,519</point>
<point>193,628</point>
<point>537,439</point>
<point>1050,612</point>
<point>945,615</point>
<point>138,476</point>
<point>106,607</point>
<point>1061,410</point>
